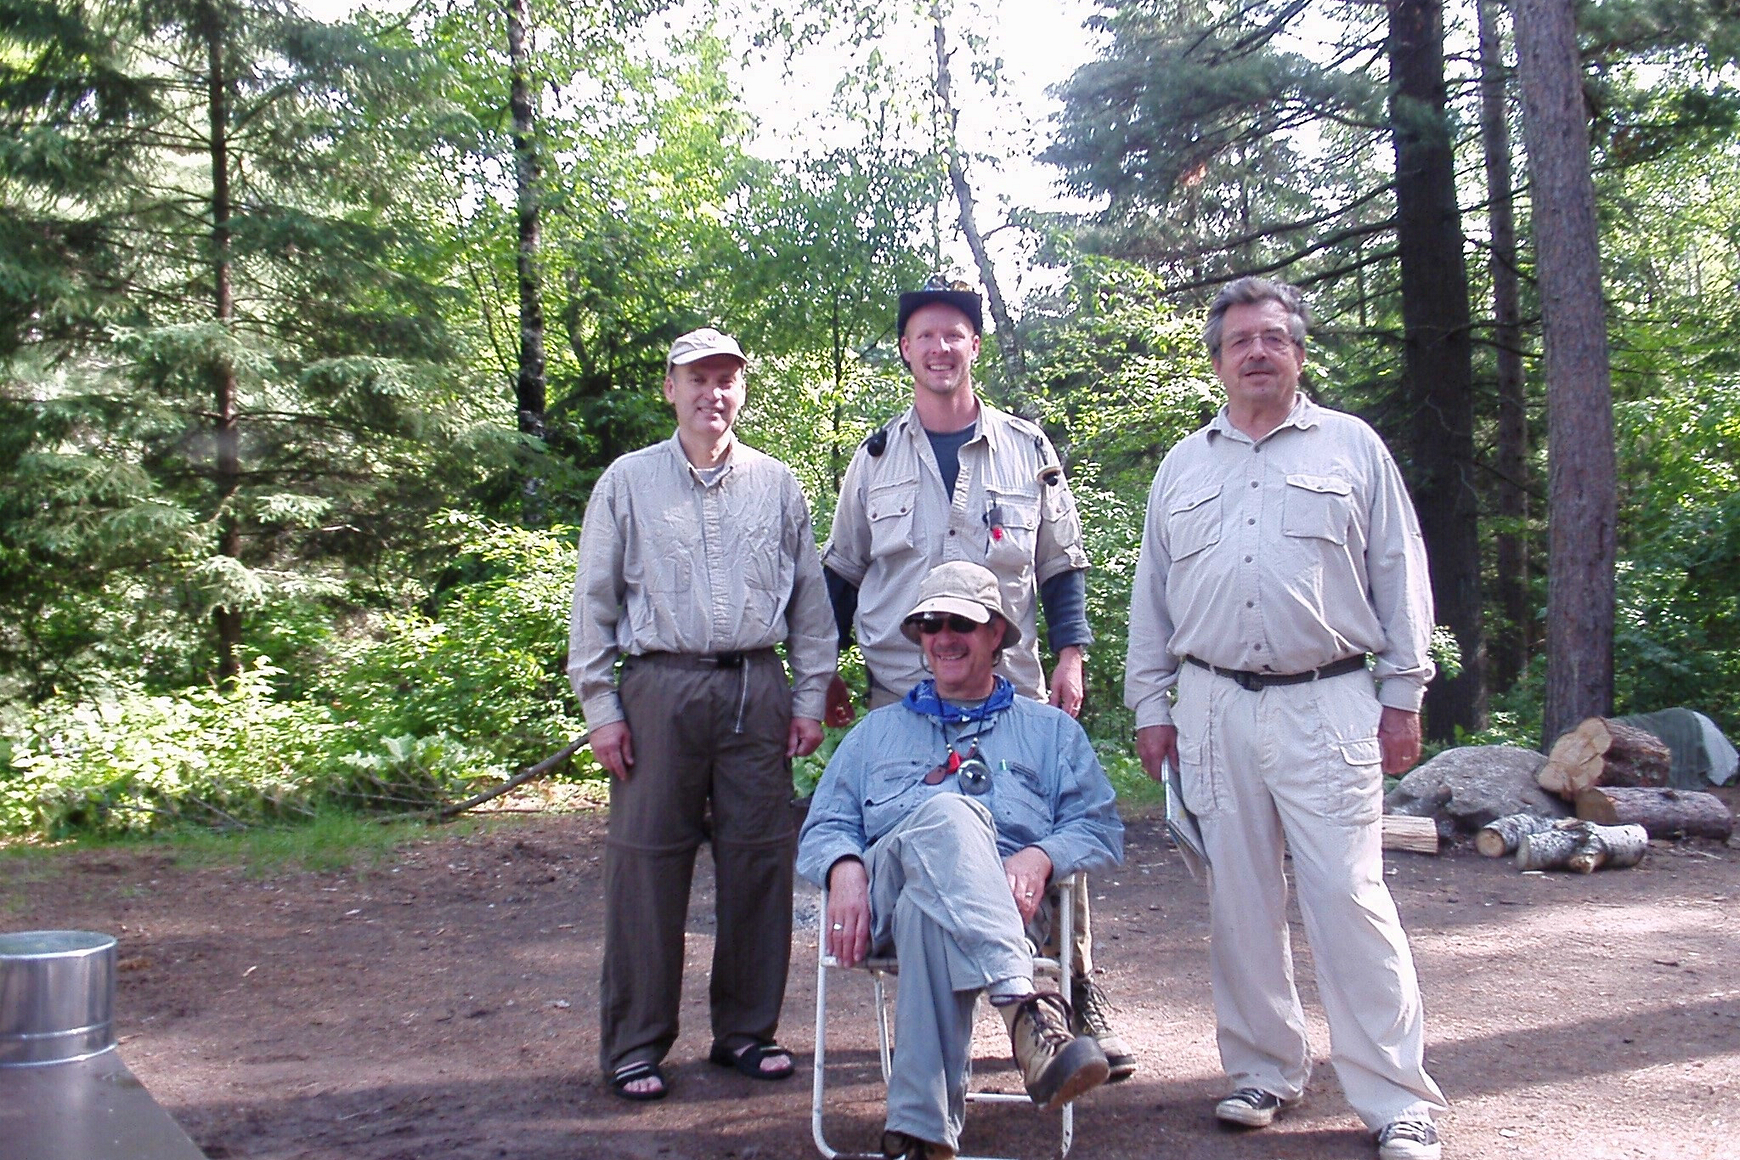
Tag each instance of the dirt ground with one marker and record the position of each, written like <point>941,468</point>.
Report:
<point>443,1005</point>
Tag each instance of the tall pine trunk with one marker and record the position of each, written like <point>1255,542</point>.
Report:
<point>1582,498</point>
<point>1439,350</point>
<point>530,385</point>
<point>226,617</point>
<point>1509,649</point>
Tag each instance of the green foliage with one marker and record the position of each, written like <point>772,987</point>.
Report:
<point>483,675</point>
<point>143,761</point>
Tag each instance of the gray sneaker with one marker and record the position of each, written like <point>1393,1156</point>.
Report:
<point>1252,1107</point>
<point>1409,1140</point>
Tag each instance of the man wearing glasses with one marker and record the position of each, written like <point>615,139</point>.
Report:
<point>936,828</point>
<point>696,559</point>
<point>954,478</point>
<point>1280,551</point>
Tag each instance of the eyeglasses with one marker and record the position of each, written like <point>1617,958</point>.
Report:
<point>932,623</point>
<point>1268,339</point>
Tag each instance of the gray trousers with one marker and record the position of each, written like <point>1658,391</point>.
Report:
<point>940,898</point>
<point>703,736</point>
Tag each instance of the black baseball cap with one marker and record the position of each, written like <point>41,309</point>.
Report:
<point>946,291</point>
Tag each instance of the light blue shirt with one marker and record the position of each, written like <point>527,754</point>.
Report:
<point>1047,788</point>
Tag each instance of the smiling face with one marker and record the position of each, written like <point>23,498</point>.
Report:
<point>707,394</point>
<point>940,346</point>
<point>1258,361</point>
<point>962,662</point>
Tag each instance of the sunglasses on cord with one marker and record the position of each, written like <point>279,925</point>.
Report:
<point>932,623</point>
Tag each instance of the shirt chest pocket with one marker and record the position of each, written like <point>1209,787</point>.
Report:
<point>1014,529</point>
<point>888,507</point>
<point>1020,804</point>
<point>891,791</point>
<point>1193,522</point>
<point>1317,507</point>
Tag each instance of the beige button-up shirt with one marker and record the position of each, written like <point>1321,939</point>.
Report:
<point>671,563</point>
<point>896,521</point>
<point>1279,556</point>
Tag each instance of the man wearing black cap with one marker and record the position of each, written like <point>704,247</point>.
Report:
<point>954,478</point>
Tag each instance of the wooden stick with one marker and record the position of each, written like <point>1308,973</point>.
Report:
<point>518,779</point>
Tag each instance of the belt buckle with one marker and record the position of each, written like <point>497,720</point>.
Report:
<point>1248,681</point>
<point>728,660</point>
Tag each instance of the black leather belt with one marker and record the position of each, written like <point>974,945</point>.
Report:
<point>722,660</point>
<point>1252,682</point>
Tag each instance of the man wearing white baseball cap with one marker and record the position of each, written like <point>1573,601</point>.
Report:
<point>696,559</point>
<point>936,828</point>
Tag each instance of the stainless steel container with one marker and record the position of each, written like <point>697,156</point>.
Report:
<point>64,1092</point>
<point>57,996</point>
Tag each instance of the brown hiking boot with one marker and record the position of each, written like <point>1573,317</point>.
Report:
<point>1056,1064</point>
<point>1091,1014</point>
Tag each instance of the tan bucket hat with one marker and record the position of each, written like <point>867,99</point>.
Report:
<point>965,589</point>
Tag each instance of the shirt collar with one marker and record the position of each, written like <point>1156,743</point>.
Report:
<point>1304,414</point>
<point>675,443</point>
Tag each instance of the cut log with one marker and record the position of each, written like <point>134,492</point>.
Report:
<point>1604,752</point>
<point>1583,846</point>
<point>1502,836</point>
<point>1405,832</point>
<point>1664,813</point>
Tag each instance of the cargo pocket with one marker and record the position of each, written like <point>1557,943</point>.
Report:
<point>1317,507</point>
<point>889,509</point>
<point>1353,782</point>
<point>1201,778</point>
<point>1193,523</point>
<point>1014,538</point>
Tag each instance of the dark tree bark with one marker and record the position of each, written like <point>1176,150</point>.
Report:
<point>1008,343</point>
<point>530,386</point>
<point>1509,649</point>
<point>226,617</point>
<point>1581,475</point>
<point>1438,349</point>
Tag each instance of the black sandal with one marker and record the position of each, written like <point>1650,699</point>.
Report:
<point>631,1072</point>
<point>747,1060</point>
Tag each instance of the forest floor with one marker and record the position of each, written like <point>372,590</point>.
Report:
<point>443,1004</point>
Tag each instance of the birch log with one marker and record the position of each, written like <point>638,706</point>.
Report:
<point>1583,846</point>
<point>1502,836</point>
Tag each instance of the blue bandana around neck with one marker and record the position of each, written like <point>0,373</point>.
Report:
<point>923,699</point>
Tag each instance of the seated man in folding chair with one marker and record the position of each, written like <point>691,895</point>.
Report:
<point>936,828</point>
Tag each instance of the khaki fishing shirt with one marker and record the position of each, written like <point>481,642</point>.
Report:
<point>1012,511</point>
<point>1279,556</point>
<point>670,563</point>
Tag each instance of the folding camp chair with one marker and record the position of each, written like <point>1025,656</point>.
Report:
<point>1063,908</point>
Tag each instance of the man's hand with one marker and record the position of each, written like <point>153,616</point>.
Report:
<point>1399,738</point>
<point>614,748</point>
<point>1156,745</point>
<point>839,712</point>
<point>1067,682</point>
<point>803,737</point>
<point>1028,870</point>
<point>848,912</point>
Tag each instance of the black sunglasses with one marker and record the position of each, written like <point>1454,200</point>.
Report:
<point>932,623</point>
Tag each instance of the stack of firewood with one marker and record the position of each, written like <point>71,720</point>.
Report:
<point>1616,776</point>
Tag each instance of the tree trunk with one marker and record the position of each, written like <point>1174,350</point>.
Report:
<point>1439,351</point>
<point>530,385</point>
<point>1664,813</point>
<point>226,617</point>
<point>1508,648</point>
<point>1603,752</point>
<point>1008,343</point>
<point>1581,476</point>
